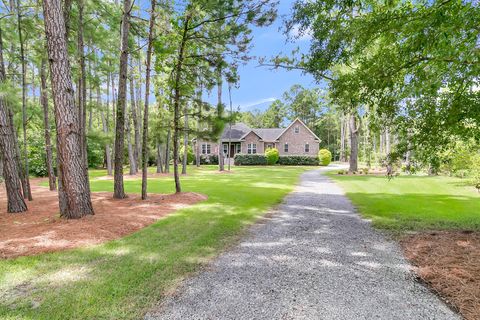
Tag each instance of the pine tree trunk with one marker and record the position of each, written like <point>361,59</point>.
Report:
<point>11,173</point>
<point>388,149</point>
<point>106,122</point>
<point>197,143</point>
<point>185,141</point>
<point>136,129</point>
<point>52,183</point>
<point>118,188</point>
<point>73,186</point>
<point>353,144</point>
<point>159,159</point>
<point>82,87</point>
<point>144,157</point>
<point>131,157</point>
<point>221,161</point>
<point>167,152</point>
<point>27,192</point>
<point>342,139</point>
<point>176,103</point>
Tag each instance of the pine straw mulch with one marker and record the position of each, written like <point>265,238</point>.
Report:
<point>449,262</point>
<point>41,229</point>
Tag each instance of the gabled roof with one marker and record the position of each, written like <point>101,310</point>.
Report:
<point>239,130</point>
<point>291,124</point>
<point>269,134</point>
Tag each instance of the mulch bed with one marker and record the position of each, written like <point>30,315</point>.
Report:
<point>449,262</point>
<point>42,230</point>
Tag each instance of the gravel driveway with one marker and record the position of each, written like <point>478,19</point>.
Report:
<point>314,258</point>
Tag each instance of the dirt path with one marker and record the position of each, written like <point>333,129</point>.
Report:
<point>314,258</point>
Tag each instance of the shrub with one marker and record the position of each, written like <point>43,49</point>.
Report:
<point>298,161</point>
<point>272,155</point>
<point>190,154</point>
<point>250,159</point>
<point>324,157</point>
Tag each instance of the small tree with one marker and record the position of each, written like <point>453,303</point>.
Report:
<point>324,157</point>
<point>272,156</point>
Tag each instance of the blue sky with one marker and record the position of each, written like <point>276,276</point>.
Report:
<point>259,86</point>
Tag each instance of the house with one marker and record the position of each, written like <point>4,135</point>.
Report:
<point>295,139</point>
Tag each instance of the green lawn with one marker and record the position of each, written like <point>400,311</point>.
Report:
<point>121,279</point>
<point>414,202</point>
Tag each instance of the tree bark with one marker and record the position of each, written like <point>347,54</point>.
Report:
<point>73,187</point>
<point>197,143</point>
<point>167,152</point>
<point>144,157</point>
<point>131,157</point>
<point>221,161</point>
<point>136,129</point>
<point>159,159</point>
<point>185,140</point>
<point>343,157</point>
<point>11,173</point>
<point>118,188</point>
<point>52,182</point>
<point>353,143</point>
<point>106,123</point>
<point>176,103</point>
<point>82,86</point>
<point>27,192</point>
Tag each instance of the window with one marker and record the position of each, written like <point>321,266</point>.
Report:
<point>238,148</point>
<point>297,129</point>
<point>269,145</point>
<point>225,149</point>
<point>252,148</point>
<point>206,148</point>
<point>307,147</point>
<point>285,147</point>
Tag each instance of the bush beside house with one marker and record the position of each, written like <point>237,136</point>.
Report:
<point>272,155</point>
<point>324,157</point>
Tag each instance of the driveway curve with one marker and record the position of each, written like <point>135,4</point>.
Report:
<point>313,258</point>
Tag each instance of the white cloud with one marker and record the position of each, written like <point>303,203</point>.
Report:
<point>256,103</point>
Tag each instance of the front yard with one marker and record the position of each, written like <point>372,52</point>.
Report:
<point>122,278</point>
<point>437,221</point>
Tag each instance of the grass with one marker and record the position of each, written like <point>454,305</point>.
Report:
<point>121,279</point>
<point>414,202</point>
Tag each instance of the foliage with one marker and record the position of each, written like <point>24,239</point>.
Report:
<point>413,63</point>
<point>210,159</point>
<point>190,154</point>
<point>96,141</point>
<point>324,157</point>
<point>250,159</point>
<point>298,161</point>
<point>37,155</point>
<point>272,155</point>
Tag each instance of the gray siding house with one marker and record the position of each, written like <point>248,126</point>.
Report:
<point>296,139</point>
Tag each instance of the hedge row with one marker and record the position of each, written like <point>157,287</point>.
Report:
<point>261,160</point>
<point>298,161</point>
<point>249,159</point>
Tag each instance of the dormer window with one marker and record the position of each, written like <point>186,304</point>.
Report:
<point>297,129</point>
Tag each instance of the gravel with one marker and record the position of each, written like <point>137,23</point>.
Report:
<point>314,258</point>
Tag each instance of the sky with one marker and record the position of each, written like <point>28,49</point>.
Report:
<point>259,85</point>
